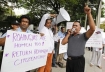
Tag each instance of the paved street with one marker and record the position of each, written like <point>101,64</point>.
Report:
<point>87,66</point>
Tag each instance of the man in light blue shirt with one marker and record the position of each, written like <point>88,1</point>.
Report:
<point>61,33</point>
<point>24,24</point>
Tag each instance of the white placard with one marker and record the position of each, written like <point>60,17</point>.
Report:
<point>24,51</point>
<point>62,48</point>
<point>95,40</point>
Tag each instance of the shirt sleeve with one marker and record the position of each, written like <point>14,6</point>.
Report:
<point>42,30</point>
<point>30,31</point>
<point>3,35</point>
<point>85,36</point>
<point>56,37</point>
<point>59,34</point>
<point>42,22</point>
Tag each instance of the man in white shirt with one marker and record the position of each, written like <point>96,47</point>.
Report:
<point>96,56</point>
<point>45,28</point>
<point>60,57</point>
<point>56,46</point>
<point>24,23</point>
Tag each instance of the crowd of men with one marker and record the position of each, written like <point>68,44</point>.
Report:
<point>74,58</point>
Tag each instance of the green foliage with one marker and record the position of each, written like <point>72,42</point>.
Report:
<point>38,8</point>
<point>103,10</point>
<point>5,10</point>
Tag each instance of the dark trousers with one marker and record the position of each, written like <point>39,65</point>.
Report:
<point>103,50</point>
<point>1,56</point>
<point>90,48</point>
<point>54,60</point>
<point>75,64</point>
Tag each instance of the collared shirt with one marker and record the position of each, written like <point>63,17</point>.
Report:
<point>76,44</point>
<point>43,20</point>
<point>18,29</point>
<point>27,31</point>
<point>61,35</point>
<point>49,35</point>
<point>56,37</point>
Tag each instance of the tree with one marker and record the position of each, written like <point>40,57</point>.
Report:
<point>5,10</point>
<point>103,10</point>
<point>39,7</point>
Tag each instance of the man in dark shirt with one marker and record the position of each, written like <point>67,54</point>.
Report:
<point>76,44</point>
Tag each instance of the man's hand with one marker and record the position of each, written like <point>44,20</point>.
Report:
<point>100,48</point>
<point>69,32</point>
<point>2,41</point>
<point>53,15</point>
<point>59,40</point>
<point>87,10</point>
<point>41,34</point>
<point>91,23</point>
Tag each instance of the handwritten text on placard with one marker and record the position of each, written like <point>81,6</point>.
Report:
<point>22,50</point>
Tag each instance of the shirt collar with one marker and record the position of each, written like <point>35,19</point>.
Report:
<point>76,34</point>
<point>19,29</point>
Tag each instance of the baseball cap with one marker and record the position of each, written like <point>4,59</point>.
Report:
<point>15,22</point>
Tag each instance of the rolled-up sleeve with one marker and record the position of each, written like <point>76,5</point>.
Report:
<point>42,22</point>
<point>4,35</point>
<point>85,36</point>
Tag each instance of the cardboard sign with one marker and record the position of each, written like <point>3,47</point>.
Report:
<point>24,51</point>
<point>62,48</point>
<point>95,40</point>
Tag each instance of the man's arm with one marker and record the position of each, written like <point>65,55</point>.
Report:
<point>65,39</point>
<point>2,41</point>
<point>90,21</point>
<point>43,20</point>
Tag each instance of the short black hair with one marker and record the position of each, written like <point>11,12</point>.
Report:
<point>25,16</point>
<point>62,28</point>
<point>78,22</point>
<point>47,20</point>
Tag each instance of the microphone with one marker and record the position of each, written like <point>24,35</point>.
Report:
<point>72,30</point>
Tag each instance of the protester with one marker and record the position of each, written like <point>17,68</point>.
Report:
<point>14,25</point>
<point>24,24</point>
<point>97,56</point>
<point>60,57</point>
<point>56,45</point>
<point>45,28</point>
<point>76,44</point>
<point>62,32</point>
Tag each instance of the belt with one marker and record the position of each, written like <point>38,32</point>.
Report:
<point>75,57</point>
